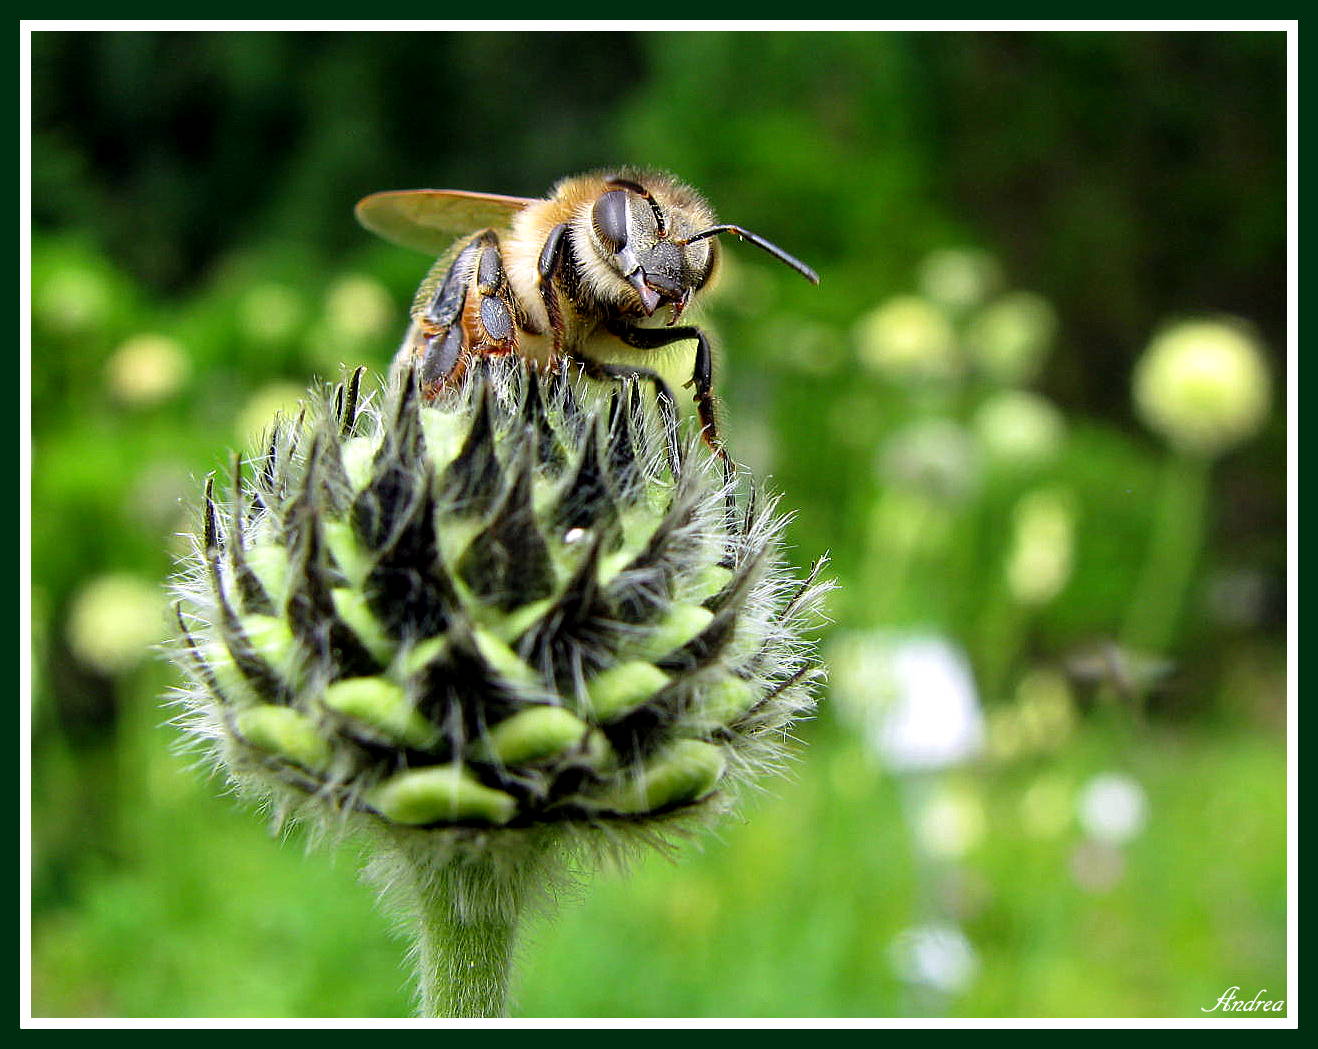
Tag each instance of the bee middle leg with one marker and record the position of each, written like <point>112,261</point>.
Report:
<point>663,397</point>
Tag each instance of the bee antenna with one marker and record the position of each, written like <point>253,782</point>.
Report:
<point>759,242</point>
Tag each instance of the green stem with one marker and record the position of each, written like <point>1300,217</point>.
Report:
<point>1002,628</point>
<point>888,566</point>
<point>467,910</point>
<point>1178,533</point>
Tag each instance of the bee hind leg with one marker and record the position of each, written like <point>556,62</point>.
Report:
<point>469,311</point>
<point>436,344</point>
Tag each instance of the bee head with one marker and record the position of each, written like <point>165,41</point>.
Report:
<point>660,251</point>
<point>643,242</point>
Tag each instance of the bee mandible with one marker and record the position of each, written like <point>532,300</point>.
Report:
<point>580,275</point>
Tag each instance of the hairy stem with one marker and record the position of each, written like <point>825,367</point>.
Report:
<point>468,925</point>
<point>462,901</point>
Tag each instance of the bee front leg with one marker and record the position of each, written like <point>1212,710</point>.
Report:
<point>551,259</point>
<point>702,374</point>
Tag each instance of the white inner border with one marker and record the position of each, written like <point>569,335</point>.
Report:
<point>1289,27</point>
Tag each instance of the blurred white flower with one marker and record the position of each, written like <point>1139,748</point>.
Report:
<point>935,955</point>
<point>147,369</point>
<point>908,339</point>
<point>934,719</point>
<point>1019,429</point>
<point>1112,808</point>
<point>1009,339</point>
<point>914,697</point>
<point>1039,564</point>
<point>951,823</point>
<point>959,278</point>
<point>1204,385</point>
<point>114,621</point>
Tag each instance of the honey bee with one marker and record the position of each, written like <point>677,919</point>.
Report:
<point>580,275</point>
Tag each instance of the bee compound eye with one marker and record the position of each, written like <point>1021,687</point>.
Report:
<point>610,218</point>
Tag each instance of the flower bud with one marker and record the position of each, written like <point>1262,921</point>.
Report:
<point>959,278</point>
<point>908,339</point>
<point>1019,430</point>
<point>1204,386</point>
<point>147,369</point>
<point>1009,339</point>
<point>524,605</point>
<point>1039,564</point>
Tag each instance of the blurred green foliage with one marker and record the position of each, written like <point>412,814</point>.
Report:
<point>195,264</point>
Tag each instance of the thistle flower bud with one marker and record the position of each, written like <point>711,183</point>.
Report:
<point>1204,386</point>
<point>522,616</point>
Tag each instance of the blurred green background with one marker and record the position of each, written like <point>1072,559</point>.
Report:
<point>1049,778</point>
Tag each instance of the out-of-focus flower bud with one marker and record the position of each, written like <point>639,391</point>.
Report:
<point>114,622</point>
<point>1019,430</point>
<point>1204,385</point>
<point>951,823</point>
<point>1009,339</point>
<point>1039,564</point>
<point>270,313</point>
<point>1045,708</point>
<point>147,369</point>
<point>909,339</point>
<point>959,278</point>
<point>73,299</point>
<point>358,307</point>
<point>1046,806</point>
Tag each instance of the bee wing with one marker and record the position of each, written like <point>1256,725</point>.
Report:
<point>429,219</point>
